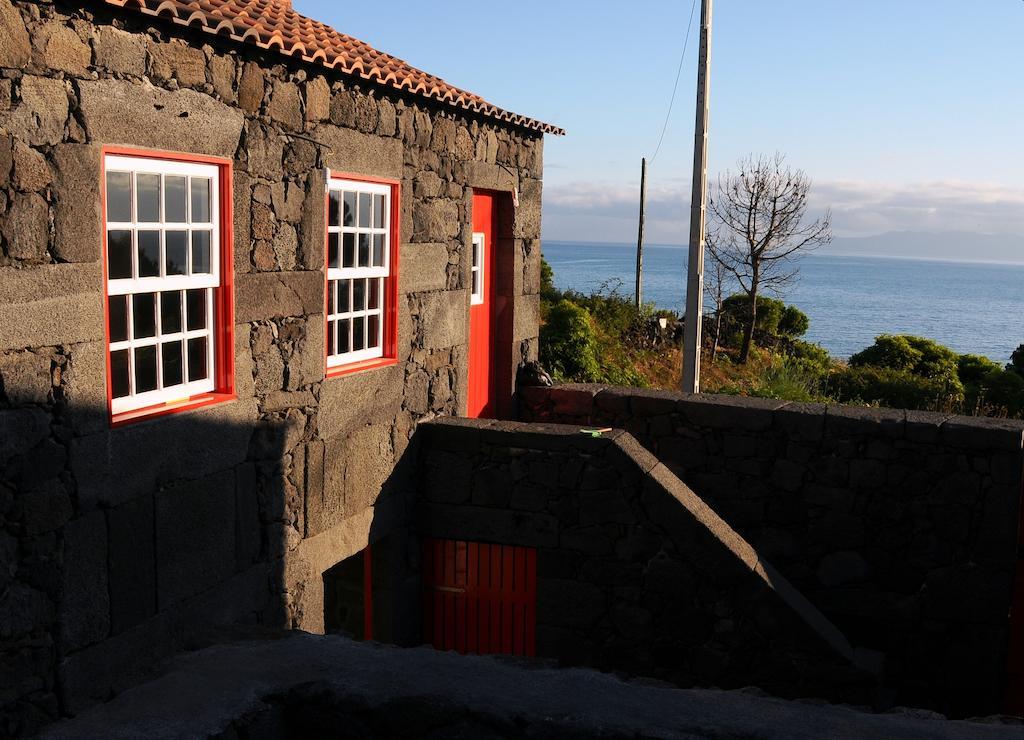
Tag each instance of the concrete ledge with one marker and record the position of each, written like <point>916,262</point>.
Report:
<point>302,685</point>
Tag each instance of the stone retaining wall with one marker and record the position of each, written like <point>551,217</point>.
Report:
<point>900,526</point>
<point>119,545</point>
<point>634,572</point>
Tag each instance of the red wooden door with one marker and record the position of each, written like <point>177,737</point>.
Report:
<point>479,598</point>
<point>481,401</point>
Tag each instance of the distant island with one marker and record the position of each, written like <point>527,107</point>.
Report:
<point>948,245</point>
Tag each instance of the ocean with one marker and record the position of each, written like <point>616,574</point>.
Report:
<point>971,307</point>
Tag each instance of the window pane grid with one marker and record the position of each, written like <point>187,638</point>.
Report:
<point>477,269</point>
<point>358,266</point>
<point>163,268</point>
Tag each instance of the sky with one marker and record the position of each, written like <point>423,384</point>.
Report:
<point>908,115</point>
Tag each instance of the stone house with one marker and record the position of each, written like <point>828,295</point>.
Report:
<point>243,255</point>
<point>251,272</point>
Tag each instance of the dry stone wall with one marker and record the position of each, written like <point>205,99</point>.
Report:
<point>118,546</point>
<point>634,572</point>
<point>900,526</point>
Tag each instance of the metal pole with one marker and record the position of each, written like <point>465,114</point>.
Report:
<point>640,236</point>
<point>698,212</point>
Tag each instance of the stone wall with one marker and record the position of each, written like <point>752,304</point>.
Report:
<point>119,545</point>
<point>634,572</point>
<point>900,526</point>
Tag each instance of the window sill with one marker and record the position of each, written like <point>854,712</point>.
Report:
<point>173,407</point>
<point>361,367</point>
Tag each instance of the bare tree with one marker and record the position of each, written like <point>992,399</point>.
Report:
<point>760,227</point>
<point>716,286</point>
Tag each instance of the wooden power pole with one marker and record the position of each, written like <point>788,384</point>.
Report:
<point>698,212</point>
<point>640,236</point>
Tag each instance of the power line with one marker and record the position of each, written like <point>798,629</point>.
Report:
<point>675,87</point>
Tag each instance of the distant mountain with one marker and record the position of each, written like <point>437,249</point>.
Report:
<point>949,245</point>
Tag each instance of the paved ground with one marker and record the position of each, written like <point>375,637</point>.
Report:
<point>306,685</point>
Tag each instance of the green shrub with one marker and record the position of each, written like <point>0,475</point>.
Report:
<point>774,318</point>
<point>568,343</point>
<point>971,369</point>
<point>811,359</point>
<point>1002,391</point>
<point>924,358</point>
<point>1017,361</point>
<point>894,388</point>
<point>787,380</point>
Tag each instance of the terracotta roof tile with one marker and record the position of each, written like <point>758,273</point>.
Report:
<point>274,24</point>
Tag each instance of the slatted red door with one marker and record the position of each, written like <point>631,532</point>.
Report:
<point>479,598</point>
<point>482,388</point>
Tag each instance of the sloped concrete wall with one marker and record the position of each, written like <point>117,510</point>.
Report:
<point>635,572</point>
<point>900,526</point>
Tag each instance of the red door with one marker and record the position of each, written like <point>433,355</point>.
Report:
<point>479,598</point>
<point>482,397</point>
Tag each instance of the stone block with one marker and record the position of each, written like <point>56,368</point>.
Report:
<point>222,73</point>
<point>242,217</point>
<point>115,466</point>
<point>50,305</point>
<point>528,214</point>
<point>40,118</point>
<point>77,218</point>
<point>424,267</point>
<point>85,606</point>
<point>844,421</point>
<point>26,377</point>
<point>132,563</point>
<point>488,525</point>
<point>444,318</point>
<point>318,100</point>
<point>285,104</point>
<point>30,170</point>
<point>124,112</point>
<point>349,401</point>
<point>569,603</point>
<point>353,151</point>
<point>248,532</point>
<point>177,60</point>
<point>288,199</point>
<point>23,610</point>
<point>272,295</point>
<point>801,422</point>
<point>195,537</point>
<point>526,322</point>
<point>16,51</point>
<point>978,433</point>
<point>21,430</point>
<point>436,220</point>
<point>26,228</point>
<point>44,509</point>
<point>63,50</point>
<point>251,87</point>
<point>120,51</point>
<point>843,568</point>
<point>370,461</point>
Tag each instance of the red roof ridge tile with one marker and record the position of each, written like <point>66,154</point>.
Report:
<point>274,24</point>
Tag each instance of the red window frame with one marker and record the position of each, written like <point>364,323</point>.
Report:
<point>390,294</point>
<point>223,309</point>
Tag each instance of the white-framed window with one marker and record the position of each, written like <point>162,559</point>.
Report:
<point>359,226</point>
<point>162,254</point>
<point>478,273</point>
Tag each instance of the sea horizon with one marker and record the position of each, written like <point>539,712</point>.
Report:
<point>971,306</point>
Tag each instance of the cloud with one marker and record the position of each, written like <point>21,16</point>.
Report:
<point>588,211</point>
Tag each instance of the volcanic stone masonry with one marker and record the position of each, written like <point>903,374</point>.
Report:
<point>119,545</point>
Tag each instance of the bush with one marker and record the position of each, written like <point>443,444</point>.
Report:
<point>918,356</point>
<point>1017,361</point>
<point>775,319</point>
<point>811,359</point>
<point>971,369</point>
<point>899,389</point>
<point>568,343</point>
<point>1002,391</point>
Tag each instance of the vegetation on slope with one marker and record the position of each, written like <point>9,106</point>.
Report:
<point>604,338</point>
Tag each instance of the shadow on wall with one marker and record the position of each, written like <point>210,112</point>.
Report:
<point>120,547</point>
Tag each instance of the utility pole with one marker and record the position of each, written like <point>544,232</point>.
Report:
<point>698,212</point>
<point>640,236</point>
